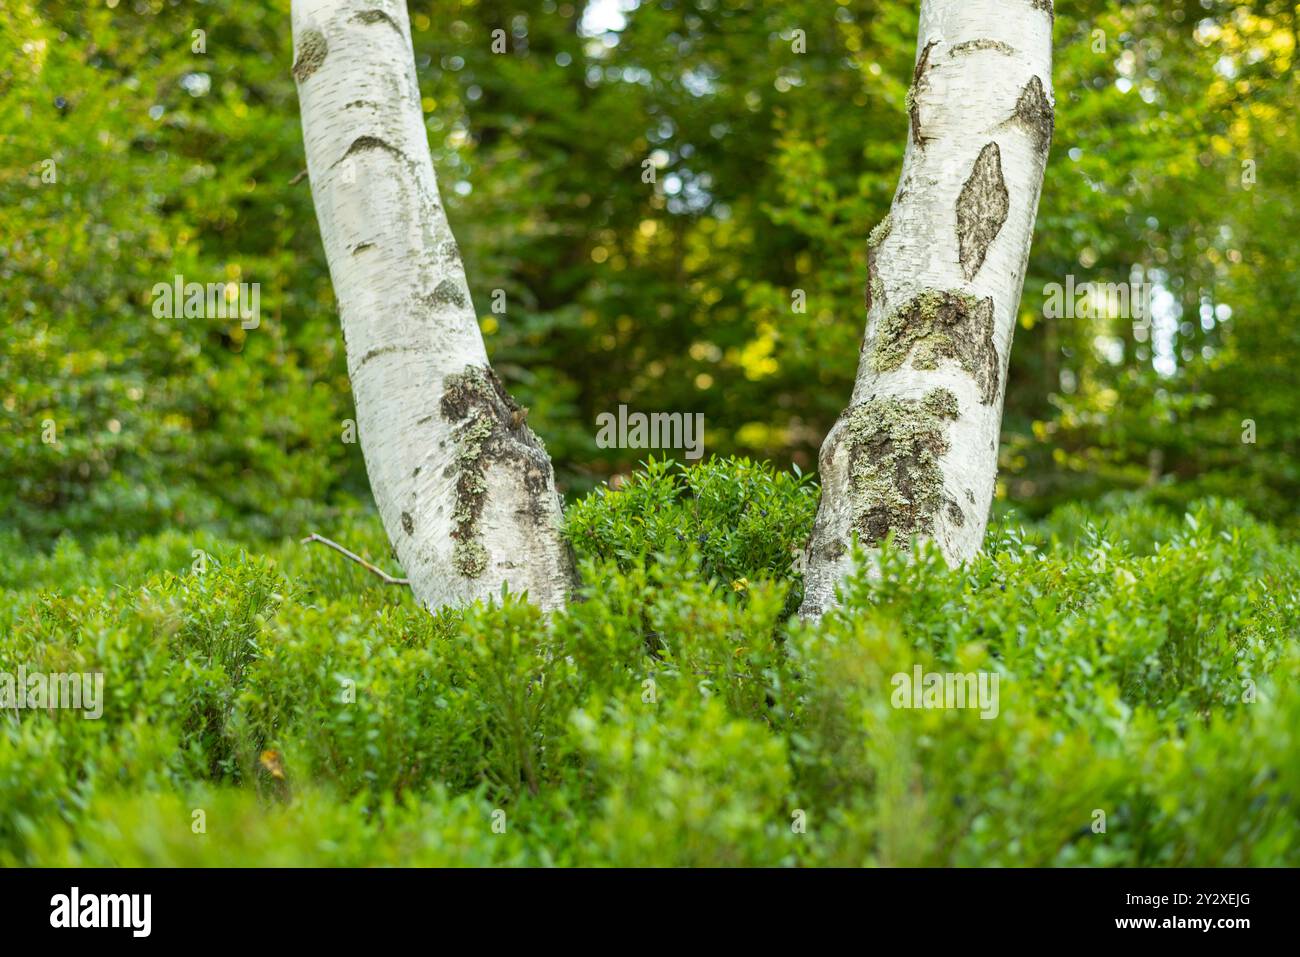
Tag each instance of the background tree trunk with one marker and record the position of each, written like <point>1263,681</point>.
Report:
<point>916,451</point>
<point>464,487</point>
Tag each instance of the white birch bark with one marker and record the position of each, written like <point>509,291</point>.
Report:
<point>915,453</point>
<point>464,487</point>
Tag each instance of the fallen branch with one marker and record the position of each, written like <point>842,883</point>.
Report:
<point>389,579</point>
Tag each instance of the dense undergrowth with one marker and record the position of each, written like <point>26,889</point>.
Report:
<point>271,703</point>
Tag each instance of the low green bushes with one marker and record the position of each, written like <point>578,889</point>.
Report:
<point>271,703</point>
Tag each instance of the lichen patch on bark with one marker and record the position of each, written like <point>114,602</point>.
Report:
<point>312,49</point>
<point>449,252</point>
<point>490,432</point>
<point>895,483</point>
<point>875,288</point>
<point>935,325</point>
<point>881,231</point>
<point>982,208</point>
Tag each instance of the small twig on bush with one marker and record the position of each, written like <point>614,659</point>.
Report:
<point>313,537</point>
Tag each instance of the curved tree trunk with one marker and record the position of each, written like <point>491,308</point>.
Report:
<point>464,487</point>
<point>915,453</point>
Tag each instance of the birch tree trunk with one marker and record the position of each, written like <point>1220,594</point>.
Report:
<point>464,487</point>
<point>915,453</point>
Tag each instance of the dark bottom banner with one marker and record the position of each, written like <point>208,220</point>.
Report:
<point>333,907</point>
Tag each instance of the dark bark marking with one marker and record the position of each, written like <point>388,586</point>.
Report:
<point>447,292</point>
<point>982,208</point>
<point>955,515</point>
<point>312,49</point>
<point>1034,111</point>
<point>378,16</point>
<point>408,523</point>
<point>971,46</point>
<point>919,84</point>
<point>383,351</point>
<point>363,143</point>
<point>833,550</point>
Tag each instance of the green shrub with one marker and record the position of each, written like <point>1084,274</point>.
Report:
<point>682,783</point>
<point>743,518</point>
<point>675,713</point>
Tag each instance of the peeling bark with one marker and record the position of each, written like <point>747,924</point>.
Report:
<point>464,487</point>
<point>915,454</point>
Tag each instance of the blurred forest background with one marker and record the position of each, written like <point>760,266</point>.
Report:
<point>1176,159</point>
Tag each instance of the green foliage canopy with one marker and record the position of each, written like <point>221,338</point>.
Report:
<point>776,134</point>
